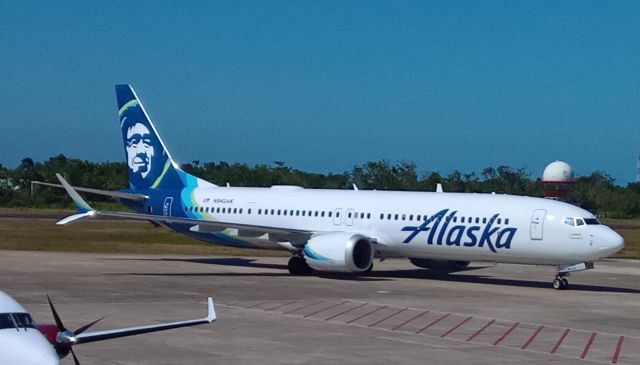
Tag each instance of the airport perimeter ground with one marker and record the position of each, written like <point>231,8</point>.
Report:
<point>398,314</point>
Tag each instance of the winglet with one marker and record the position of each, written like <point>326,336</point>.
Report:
<point>83,207</point>
<point>212,311</point>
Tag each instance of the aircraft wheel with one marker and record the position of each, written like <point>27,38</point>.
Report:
<point>558,284</point>
<point>565,283</point>
<point>298,266</point>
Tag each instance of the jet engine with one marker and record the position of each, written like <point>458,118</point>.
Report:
<point>339,252</point>
<point>443,265</point>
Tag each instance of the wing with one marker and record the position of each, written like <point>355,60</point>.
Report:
<point>87,337</point>
<point>284,234</point>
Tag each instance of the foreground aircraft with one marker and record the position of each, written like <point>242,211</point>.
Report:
<point>343,230</point>
<point>22,342</point>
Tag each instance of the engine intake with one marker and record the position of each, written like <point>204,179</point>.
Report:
<point>339,252</point>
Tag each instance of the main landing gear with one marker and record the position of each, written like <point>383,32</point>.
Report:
<point>298,266</point>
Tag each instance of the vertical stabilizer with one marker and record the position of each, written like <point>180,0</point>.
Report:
<point>149,163</point>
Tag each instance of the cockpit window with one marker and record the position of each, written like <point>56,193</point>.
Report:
<point>6,321</point>
<point>579,222</point>
<point>23,320</point>
<point>16,320</point>
<point>569,221</point>
<point>591,221</point>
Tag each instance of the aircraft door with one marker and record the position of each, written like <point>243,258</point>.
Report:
<point>537,223</point>
<point>336,216</point>
<point>348,220</point>
<point>166,206</point>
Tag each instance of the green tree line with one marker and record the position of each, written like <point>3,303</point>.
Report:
<point>596,192</point>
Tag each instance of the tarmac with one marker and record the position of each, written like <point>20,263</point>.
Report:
<point>398,314</point>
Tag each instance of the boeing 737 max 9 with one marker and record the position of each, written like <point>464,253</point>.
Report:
<point>343,230</point>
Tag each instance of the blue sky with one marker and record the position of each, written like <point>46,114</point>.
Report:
<point>326,85</point>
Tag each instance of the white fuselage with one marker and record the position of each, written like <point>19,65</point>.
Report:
<point>487,227</point>
<point>20,342</point>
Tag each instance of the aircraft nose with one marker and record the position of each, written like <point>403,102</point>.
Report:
<point>610,243</point>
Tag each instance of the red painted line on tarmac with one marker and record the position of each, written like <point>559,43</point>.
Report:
<point>588,346</point>
<point>277,306</point>
<point>387,317</point>
<point>343,312</point>
<point>256,305</point>
<point>533,336</point>
<point>456,327</point>
<point>616,354</point>
<point>504,335</point>
<point>409,320</point>
<point>432,323</point>
<point>564,335</point>
<point>366,314</point>
<point>303,307</point>
<point>481,330</point>
<point>325,309</point>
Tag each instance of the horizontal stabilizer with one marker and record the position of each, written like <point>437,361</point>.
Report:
<point>113,194</point>
<point>75,217</point>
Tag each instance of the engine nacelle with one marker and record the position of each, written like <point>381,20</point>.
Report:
<point>439,264</point>
<point>339,252</point>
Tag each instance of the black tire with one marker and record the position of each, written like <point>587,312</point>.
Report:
<point>565,284</point>
<point>298,266</point>
<point>557,284</point>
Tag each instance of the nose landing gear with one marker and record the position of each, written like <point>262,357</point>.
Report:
<point>561,282</point>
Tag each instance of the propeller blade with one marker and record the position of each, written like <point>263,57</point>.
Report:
<point>86,326</point>
<point>56,317</point>
<point>75,359</point>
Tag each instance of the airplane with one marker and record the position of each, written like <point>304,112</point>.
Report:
<point>342,231</point>
<point>23,342</point>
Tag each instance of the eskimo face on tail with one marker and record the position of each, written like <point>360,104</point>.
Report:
<point>145,156</point>
<point>140,150</point>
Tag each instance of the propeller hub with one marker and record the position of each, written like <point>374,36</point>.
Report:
<point>66,338</point>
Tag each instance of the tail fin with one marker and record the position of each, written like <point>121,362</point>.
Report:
<point>149,163</point>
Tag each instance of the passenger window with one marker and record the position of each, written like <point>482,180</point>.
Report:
<point>349,215</point>
<point>418,217</point>
<point>235,210</point>
<point>315,215</point>
<point>477,220</point>
<point>484,220</point>
<point>462,220</point>
<point>297,213</point>
<point>304,213</point>
<point>506,221</point>
<point>218,210</point>
<point>404,216</point>
<point>361,215</point>
<point>389,216</point>
<point>322,213</point>
<point>337,214</point>
<point>273,211</point>
<point>499,220</point>
<point>279,211</point>
<point>330,213</point>
<point>381,216</point>
<point>410,217</point>
<point>368,215</point>
<point>224,210</point>
<point>396,217</point>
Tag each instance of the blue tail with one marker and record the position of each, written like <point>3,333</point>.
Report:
<point>148,161</point>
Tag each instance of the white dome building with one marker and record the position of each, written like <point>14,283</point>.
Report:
<point>557,179</point>
<point>558,172</point>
